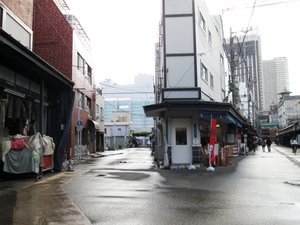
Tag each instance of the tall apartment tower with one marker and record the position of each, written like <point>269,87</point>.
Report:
<point>274,80</point>
<point>244,53</point>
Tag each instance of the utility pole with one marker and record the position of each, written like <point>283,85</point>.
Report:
<point>232,69</point>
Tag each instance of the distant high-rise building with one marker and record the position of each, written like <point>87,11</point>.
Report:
<point>129,99</point>
<point>274,80</point>
<point>245,53</point>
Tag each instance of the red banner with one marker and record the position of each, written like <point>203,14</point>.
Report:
<point>212,139</point>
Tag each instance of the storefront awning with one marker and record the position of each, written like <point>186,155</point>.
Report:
<point>224,117</point>
<point>289,129</point>
<point>93,125</point>
<point>204,109</point>
<point>14,55</point>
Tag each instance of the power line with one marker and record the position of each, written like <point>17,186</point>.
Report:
<point>274,3</point>
<point>116,93</point>
<point>259,4</point>
<point>130,91</point>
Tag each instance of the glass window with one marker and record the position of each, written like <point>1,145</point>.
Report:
<point>17,31</point>
<point>181,136</point>
<point>80,100</point>
<point>88,104</point>
<point>89,73</point>
<point>101,114</point>
<point>211,81</point>
<point>204,72</point>
<point>80,63</point>
<point>209,37</point>
<point>1,16</point>
<point>202,22</point>
<point>221,59</point>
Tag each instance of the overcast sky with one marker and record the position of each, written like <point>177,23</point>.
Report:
<point>123,33</point>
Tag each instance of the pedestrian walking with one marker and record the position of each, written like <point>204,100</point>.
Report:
<point>294,144</point>
<point>269,142</point>
<point>263,144</point>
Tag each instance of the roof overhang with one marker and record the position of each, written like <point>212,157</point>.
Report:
<point>204,110</point>
<point>93,125</point>
<point>19,58</point>
<point>289,129</point>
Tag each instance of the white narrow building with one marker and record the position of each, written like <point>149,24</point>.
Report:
<point>190,84</point>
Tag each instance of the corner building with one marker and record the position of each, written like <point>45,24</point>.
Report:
<point>190,86</point>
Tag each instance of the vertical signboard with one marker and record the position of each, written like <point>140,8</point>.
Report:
<point>212,139</point>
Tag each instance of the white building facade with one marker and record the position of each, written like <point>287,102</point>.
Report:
<point>193,50</point>
<point>189,82</point>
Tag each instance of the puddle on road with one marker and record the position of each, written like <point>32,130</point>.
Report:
<point>128,175</point>
<point>286,203</point>
<point>293,182</point>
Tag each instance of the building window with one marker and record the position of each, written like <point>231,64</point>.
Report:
<point>181,136</point>
<point>211,81</point>
<point>80,63</point>
<point>89,73</point>
<point>101,114</point>
<point>209,37</point>
<point>202,22</point>
<point>221,59</point>
<point>204,72</point>
<point>1,16</point>
<point>88,104</point>
<point>97,109</point>
<point>17,31</point>
<point>80,102</point>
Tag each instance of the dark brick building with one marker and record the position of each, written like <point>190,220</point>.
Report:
<point>58,38</point>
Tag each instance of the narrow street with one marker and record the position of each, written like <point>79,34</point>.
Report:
<point>259,189</point>
<point>124,187</point>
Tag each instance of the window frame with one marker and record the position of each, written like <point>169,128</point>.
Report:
<point>221,59</point>
<point>181,135</point>
<point>212,83</point>
<point>202,22</point>
<point>204,72</point>
<point>209,37</point>
<point>1,17</point>
<point>80,63</point>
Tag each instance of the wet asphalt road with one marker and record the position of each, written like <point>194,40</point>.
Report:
<point>125,188</point>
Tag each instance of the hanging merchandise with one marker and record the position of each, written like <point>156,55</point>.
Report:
<point>26,154</point>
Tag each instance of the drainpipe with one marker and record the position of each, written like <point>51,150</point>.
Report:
<point>166,157</point>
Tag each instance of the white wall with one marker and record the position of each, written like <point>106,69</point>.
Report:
<point>100,117</point>
<point>179,39</point>
<point>178,6</point>
<point>209,53</point>
<point>81,46</point>
<point>181,154</point>
<point>181,72</point>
